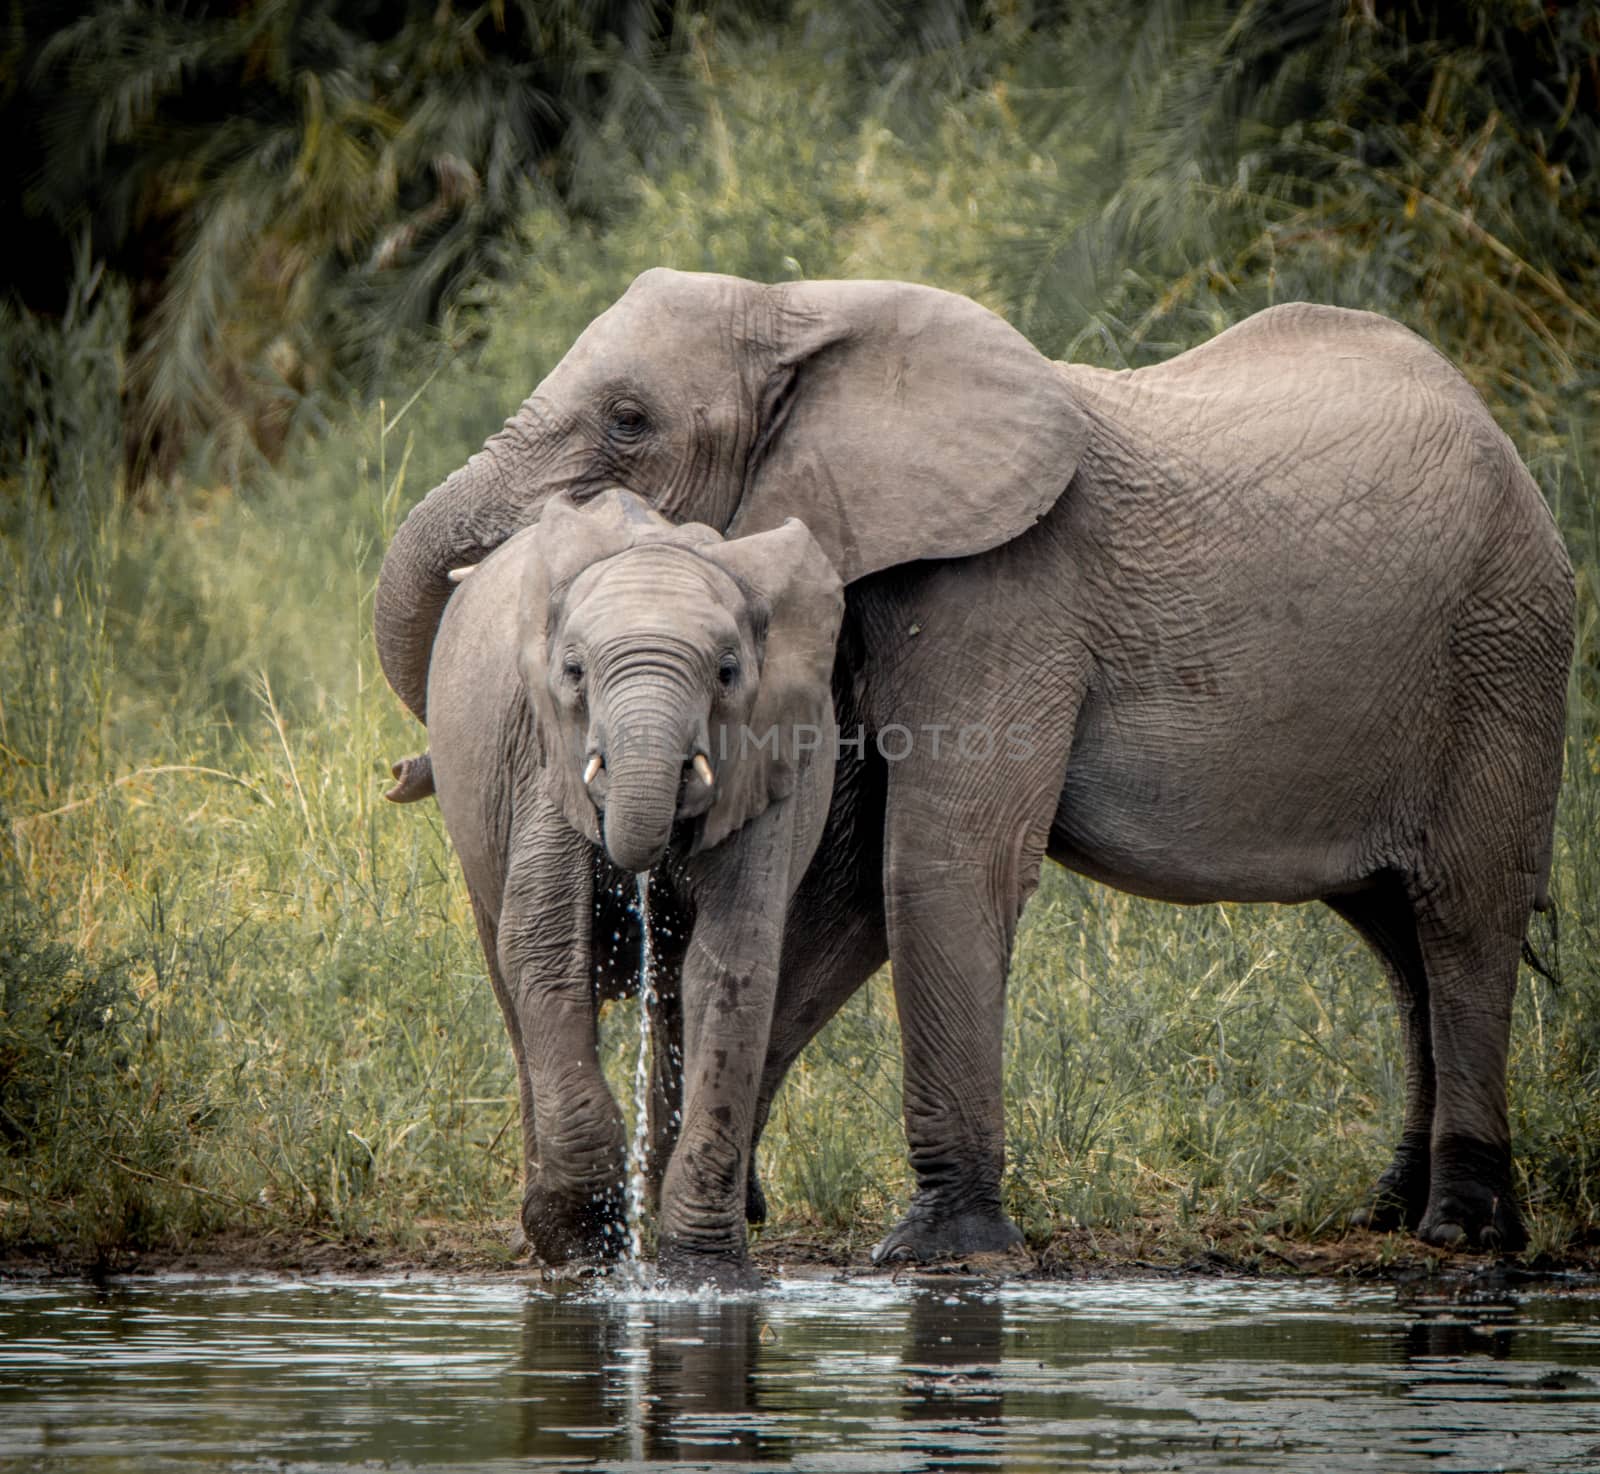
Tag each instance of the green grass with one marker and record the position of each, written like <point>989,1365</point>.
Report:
<point>239,992</point>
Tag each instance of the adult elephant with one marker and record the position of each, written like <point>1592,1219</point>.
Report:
<point>1282,619</point>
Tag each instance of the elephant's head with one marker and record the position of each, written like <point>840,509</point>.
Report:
<point>897,421</point>
<point>673,675</point>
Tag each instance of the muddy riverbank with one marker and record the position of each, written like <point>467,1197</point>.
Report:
<point>1154,1249</point>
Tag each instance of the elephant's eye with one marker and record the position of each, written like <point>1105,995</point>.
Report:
<point>728,673</point>
<point>628,421</point>
<point>573,671</point>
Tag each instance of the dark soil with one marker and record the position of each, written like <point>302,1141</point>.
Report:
<point>1150,1248</point>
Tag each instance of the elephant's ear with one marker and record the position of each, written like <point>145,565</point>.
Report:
<point>902,422</point>
<point>569,538</point>
<point>792,583</point>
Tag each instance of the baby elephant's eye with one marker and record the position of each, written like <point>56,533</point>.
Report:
<point>728,673</point>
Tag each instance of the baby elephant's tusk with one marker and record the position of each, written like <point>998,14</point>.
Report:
<point>591,770</point>
<point>457,574</point>
<point>703,768</point>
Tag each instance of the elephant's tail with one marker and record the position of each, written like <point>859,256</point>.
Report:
<point>1549,970</point>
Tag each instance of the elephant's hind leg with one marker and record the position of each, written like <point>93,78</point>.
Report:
<point>668,944</point>
<point>1472,898</point>
<point>1485,862</point>
<point>827,957</point>
<point>1473,890</point>
<point>1471,945</point>
<point>616,940</point>
<point>1382,916</point>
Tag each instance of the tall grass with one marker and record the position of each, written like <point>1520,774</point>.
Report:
<point>235,993</point>
<point>241,993</point>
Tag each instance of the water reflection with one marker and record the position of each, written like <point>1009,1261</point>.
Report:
<point>952,1353</point>
<point>702,1388</point>
<point>565,1350</point>
<point>1450,1332</point>
<point>865,1376</point>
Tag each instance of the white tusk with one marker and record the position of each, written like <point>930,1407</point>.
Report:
<point>703,768</point>
<point>593,768</point>
<point>457,574</point>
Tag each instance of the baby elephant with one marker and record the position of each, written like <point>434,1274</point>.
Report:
<point>611,694</point>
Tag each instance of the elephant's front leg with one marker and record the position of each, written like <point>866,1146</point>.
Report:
<point>966,830</point>
<point>573,1203</point>
<point>729,979</point>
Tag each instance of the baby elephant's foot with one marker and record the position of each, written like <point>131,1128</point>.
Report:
<point>564,1225</point>
<point>1472,1205</point>
<point>930,1232</point>
<point>1399,1197</point>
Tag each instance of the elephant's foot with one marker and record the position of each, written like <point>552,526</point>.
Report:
<point>930,1231</point>
<point>1472,1204</point>
<point>1399,1197</point>
<point>694,1268</point>
<point>566,1225</point>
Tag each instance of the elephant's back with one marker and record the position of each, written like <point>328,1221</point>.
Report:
<point>479,726</point>
<point>1300,348</point>
<point>478,632</point>
<point>1324,383</point>
<point>1305,421</point>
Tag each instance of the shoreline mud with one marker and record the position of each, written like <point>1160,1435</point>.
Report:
<point>1159,1251</point>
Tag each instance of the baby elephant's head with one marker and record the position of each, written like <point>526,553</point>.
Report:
<point>673,675</point>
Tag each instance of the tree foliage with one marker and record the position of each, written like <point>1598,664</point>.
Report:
<point>291,185</point>
<point>293,189</point>
<point>1441,164</point>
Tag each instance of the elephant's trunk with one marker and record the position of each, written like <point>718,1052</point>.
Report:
<point>501,490</point>
<point>456,523</point>
<point>645,761</point>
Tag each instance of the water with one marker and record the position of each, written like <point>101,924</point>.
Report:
<point>836,1378</point>
<point>638,1147</point>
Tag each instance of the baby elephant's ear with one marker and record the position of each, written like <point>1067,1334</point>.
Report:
<point>786,571</point>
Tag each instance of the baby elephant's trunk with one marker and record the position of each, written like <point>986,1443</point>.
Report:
<point>648,764</point>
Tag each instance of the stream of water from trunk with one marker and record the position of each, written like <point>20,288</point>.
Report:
<point>638,1148</point>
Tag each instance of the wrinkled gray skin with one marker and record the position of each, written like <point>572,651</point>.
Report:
<point>1284,619</point>
<point>608,636</point>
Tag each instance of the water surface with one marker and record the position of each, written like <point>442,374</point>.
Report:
<point>853,1378</point>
